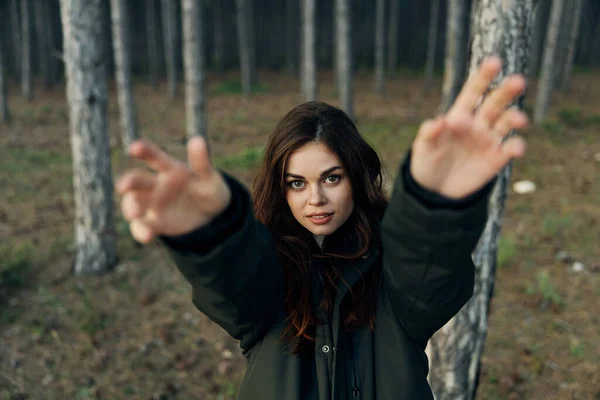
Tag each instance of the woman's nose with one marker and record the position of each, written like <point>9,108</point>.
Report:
<point>317,197</point>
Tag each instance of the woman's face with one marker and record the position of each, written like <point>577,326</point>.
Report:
<point>318,189</point>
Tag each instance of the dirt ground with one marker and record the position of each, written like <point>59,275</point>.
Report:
<point>134,333</point>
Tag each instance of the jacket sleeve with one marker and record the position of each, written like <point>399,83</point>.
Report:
<point>233,269</point>
<point>428,272</point>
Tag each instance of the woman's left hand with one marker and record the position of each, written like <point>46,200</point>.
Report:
<point>457,153</point>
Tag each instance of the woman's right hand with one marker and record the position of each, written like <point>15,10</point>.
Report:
<point>175,200</point>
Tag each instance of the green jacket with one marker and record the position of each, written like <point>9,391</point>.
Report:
<point>427,276</point>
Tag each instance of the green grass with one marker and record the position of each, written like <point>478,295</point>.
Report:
<point>248,158</point>
<point>546,289</point>
<point>235,87</point>
<point>552,225</point>
<point>16,263</point>
<point>507,249</point>
<point>577,349</point>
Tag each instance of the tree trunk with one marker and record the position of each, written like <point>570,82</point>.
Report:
<point>4,114</point>
<point>218,59</point>
<point>541,23</point>
<point>121,47</point>
<point>152,42</point>
<point>42,40</point>
<point>432,43</point>
<point>291,12</point>
<point>193,63</point>
<point>344,55</point>
<point>503,28</point>
<point>545,85</point>
<point>243,25</point>
<point>168,19</point>
<point>309,66</point>
<point>455,63</point>
<point>562,43</point>
<point>380,47</point>
<point>49,29</point>
<point>26,72</point>
<point>85,63</point>
<point>16,38</point>
<point>573,35</point>
<point>393,37</point>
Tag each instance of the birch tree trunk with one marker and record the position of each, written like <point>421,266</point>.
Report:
<point>85,63</point>
<point>562,43</point>
<point>545,85</point>
<point>218,59</point>
<point>4,113</point>
<point>380,46</point>
<point>309,65</point>
<point>504,28</point>
<point>455,62</point>
<point>26,72</point>
<point>127,118</point>
<point>432,43</point>
<point>152,42</point>
<point>41,39</point>
<point>243,25</point>
<point>193,63</point>
<point>16,37</point>
<point>344,55</point>
<point>565,84</point>
<point>541,22</point>
<point>393,37</point>
<point>168,20</point>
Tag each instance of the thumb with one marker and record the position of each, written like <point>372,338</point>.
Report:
<point>198,157</point>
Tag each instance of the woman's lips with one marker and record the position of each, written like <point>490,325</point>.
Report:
<point>320,219</point>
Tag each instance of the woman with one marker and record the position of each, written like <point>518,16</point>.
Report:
<point>332,293</point>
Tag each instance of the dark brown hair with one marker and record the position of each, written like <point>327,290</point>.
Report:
<point>308,122</point>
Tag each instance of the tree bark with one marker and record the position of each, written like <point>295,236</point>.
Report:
<point>152,42</point>
<point>455,63</point>
<point>42,41</point>
<point>504,28</point>
<point>562,43</point>
<point>573,35</point>
<point>344,55</point>
<point>85,62</point>
<point>121,48</point>
<point>393,37</point>
<point>244,39</point>
<point>541,23</point>
<point>218,59</point>
<point>545,85</point>
<point>4,113</point>
<point>26,72</point>
<point>380,47</point>
<point>193,63</point>
<point>16,38</point>
<point>168,19</point>
<point>432,43</point>
<point>309,66</point>
<point>291,12</point>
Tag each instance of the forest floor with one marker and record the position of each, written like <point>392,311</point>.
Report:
<point>134,333</point>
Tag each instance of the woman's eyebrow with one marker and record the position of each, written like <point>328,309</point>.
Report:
<point>326,172</point>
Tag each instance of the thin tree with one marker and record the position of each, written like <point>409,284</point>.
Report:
<point>4,113</point>
<point>85,63</point>
<point>291,38</point>
<point>152,43</point>
<point>455,61</point>
<point>26,71</point>
<point>127,113</point>
<point>16,37</point>
<point>40,17</point>
<point>502,28</point>
<point>218,55</point>
<point>309,65</point>
<point>545,85</point>
<point>193,63</point>
<point>539,34</point>
<point>379,46</point>
<point>432,43</point>
<point>245,36</point>
<point>169,37</point>
<point>343,50</point>
<point>565,84</point>
<point>393,36</point>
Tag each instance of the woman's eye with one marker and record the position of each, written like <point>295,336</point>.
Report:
<point>296,184</point>
<point>332,178</point>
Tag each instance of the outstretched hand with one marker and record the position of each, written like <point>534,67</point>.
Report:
<point>175,200</point>
<point>459,152</point>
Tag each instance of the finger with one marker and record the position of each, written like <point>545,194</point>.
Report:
<point>141,231</point>
<point>512,118</point>
<point>514,147</point>
<point>136,179</point>
<point>496,102</point>
<point>152,155</point>
<point>198,157</point>
<point>476,85</point>
<point>168,186</point>
<point>134,204</point>
<point>431,129</point>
